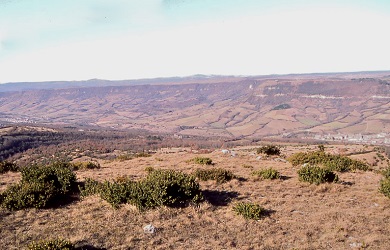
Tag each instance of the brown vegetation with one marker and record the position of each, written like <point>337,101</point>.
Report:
<point>351,213</point>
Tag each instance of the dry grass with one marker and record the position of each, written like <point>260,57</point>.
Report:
<point>350,214</point>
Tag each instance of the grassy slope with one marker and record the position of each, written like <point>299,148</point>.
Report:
<point>345,215</point>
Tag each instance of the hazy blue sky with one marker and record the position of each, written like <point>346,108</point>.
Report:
<point>127,39</point>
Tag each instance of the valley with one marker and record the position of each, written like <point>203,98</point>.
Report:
<point>290,106</point>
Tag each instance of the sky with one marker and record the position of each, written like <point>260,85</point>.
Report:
<point>56,40</point>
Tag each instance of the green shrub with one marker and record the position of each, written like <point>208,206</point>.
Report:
<point>269,150</point>
<point>54,244</point>
<point>268,173</point>
<point>124,157</point>
<point>127,157</point>
<point>316,175</point>
<point>386,173</point>
<point>39,186</point>
<point>6,166</point>
<point>27,195</point>
<point>58,174</point>
<point>160,187</point>
<point>170,188</point>
<point>384,187</point>
<point>202,160</point>
<point>115,193</point>
<point>249,210</point>
<point>142,154</point>
<point>218,174</point>
<point>82,165</point>
<point>90,187</point>
<point>331,162</point>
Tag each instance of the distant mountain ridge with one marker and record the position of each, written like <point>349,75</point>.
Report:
<point>199,78</point>
<point>24,86</point>
<point>346,105</point>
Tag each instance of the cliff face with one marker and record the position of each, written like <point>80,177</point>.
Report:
<point>246,106</point>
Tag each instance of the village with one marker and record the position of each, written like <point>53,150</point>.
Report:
<point>373,139</point>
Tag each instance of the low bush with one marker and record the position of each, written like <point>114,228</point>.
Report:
<point>127,157</point>
<point>58,174</point>
<point>142,154</point>
<point>6,166</point>
<point>202,160</point>
<point>268,173</point>
<point>52,244</point>
<point>386,173</point>
<point>159,188</point>
<point>124,157</point>
<point>82,165</point>
<point>116,193</point>
<point>218,174</point>
<point>89,187</point>
<point>249,210</point>
<point>39,186</point>
<point>384,186</point>
<point>28,195</point>
<point>316,175</point>
<point>329,161</point>
<point>269,150</point>
<point>170,188</point>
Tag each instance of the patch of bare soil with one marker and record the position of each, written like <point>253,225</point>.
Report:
<point>351,214</point>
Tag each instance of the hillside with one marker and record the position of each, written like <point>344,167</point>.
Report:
<point>348,106</point>
<point>349,214</point>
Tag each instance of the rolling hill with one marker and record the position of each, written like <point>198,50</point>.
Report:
<point>349,105</point>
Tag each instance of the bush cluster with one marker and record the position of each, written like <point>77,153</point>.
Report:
<point>269,150</point>
<point>159,188</point>
<point>384,185</point>
<point>386,173</point>
<point>218,174</point>
<point>268,173</point>
<point>6,166</point>
<point>329,161</point>
<point>124,157</point>
<point>127,157</point>
<point>142,154</point>
<point>89,187</point>
<point>52,244</point>
<point>39,186</point>
<point>82,165</point>
<point>202,161</point>
<point>249,210</point>
<point>316,175</point>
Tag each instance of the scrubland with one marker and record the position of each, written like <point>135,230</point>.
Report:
<point>350,213</point>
